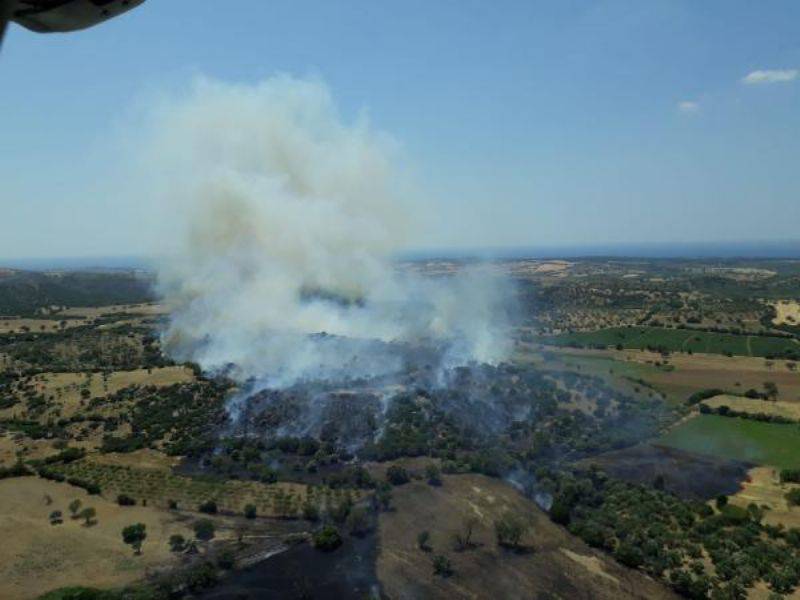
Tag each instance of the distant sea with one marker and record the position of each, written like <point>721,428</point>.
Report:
<point>695,250</point>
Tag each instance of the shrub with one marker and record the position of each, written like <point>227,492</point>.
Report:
<point>327,539</point>
<point>201,576</point>
<point>209,507</point>
<point>204,530</point>
<point>790,476</point>
<point>310,511</point>
<point>423,541</point>
<point>250,511</point>
<point>442,566</point>
<point>397,475</point>
<point>18,470</point>
<point>177,543</point>
<point>629,555</point>
<point>226,559</point>
<point>509,530</point>
<point>433,475</point>
<point>793,497</point>
<point>358,522</point>
<point>125,500</point>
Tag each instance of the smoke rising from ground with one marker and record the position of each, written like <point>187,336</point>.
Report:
<point>286,220</point>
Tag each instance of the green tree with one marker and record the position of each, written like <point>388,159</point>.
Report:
<point>250,511</point>
<point>134,536</point>
<point>204,530</point>
<point>74,507</point>
<point>88,514</point>
<point>509,530</point>
<point>327,539</point>
<point>397,475</point>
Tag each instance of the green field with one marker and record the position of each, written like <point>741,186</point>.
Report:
<point>742,439</point>
<point>680,340</point>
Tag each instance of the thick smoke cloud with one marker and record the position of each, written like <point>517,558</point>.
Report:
<point>285,220</point>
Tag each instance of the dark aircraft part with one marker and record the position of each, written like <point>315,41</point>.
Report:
<point>5,14</point>
<point>47,16</point>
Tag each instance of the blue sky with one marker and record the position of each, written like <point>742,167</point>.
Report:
<point>521,122</point>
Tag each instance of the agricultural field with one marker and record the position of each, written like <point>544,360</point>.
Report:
<point>680,340</point>
<point>160,488</point>
<point>677,376</point>
<point>754,406</point>
<point>98,403</point>
<point>759,443</point>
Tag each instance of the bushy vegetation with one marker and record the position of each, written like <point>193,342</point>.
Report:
<point>659,339</point>
<point>327,538</point>
<point>649,529</point>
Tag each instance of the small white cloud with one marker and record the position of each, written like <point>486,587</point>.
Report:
<point>688,106</point>
<point>770,76</point>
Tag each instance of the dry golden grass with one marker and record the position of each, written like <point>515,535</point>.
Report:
<point>37,325</point>
<point>92,312</point>
<point>36,557</point>
<point>764,488</point>
<point>14,445</point>
<point>788,312</point>
<point>66,388</point>
<point>790,410</point>
<point>559,565</point>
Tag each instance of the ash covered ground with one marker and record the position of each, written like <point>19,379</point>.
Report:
<point>494,420</point>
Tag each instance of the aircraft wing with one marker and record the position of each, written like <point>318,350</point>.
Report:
<point>48,16</point>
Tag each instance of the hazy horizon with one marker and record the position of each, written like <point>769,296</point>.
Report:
<point>521,125</point>
<point>752,250</point>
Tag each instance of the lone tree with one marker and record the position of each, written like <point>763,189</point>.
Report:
<point>509,531</point>
<point>88,514</point>
<point>134,536</point>
<point>463,538</point>
<point>74,507</point>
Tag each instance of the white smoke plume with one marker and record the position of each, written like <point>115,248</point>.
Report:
<point>286,221</point>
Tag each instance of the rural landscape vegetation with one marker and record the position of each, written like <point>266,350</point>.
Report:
<point>643,438</point>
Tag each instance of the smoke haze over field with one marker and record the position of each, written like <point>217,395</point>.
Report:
<point>285,221</point>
